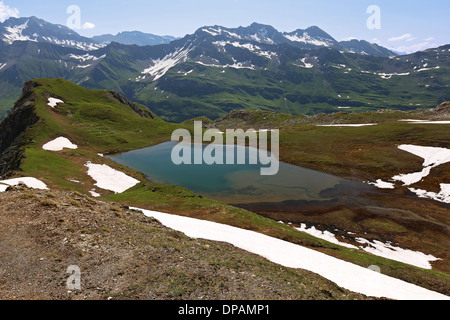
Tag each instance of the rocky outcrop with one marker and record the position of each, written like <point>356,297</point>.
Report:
<point>441,112</point>
<point>34,257</point>
<point>445,106</point>
<point>140,111</point>
<point>12,129</point>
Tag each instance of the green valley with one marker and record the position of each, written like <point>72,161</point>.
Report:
<point>103,122</point>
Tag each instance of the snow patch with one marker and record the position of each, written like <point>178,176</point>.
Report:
<point>412,120</point>
<point>427,69</point>
<point>347,125</point>
<point>84,67</point>
<point>390,75</point>
<point>305,64</point>
<point>324,235</point>
<point>388,251</point>
<point>110,179</point>
<point>185,73</point>
<point>86,57</point>
<point>213,32</point>
<point>29,182</point>
<point>382,184</point>
<point>431,122</point>
<point>53,102</point>
<point>442,196</point>
<point>344,274</point>
<point>15,34</point>
<point>377,248</point>
<point>412,178</point>
<point>235,65</point>
<point>95,194</point>
<point>75,44</point>
<point>251,47</point>
<point>248,46</point>
<point>59,144</point>
<point>265,39</point>
<point>307,39</point>
<point>162,66</point>
<point>432,156</point>
<point>232,34</point>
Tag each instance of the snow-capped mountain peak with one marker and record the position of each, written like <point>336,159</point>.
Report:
<point>266,34</point>
<point>37,30</point>
<point>255,33</point>
<point>311,36</point>
<point>15,33</point>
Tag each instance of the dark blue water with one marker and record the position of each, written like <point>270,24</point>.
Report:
<point>230,183</point>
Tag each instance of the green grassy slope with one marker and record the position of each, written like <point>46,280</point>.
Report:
<point>98,123</point>
<point>282,83</point>
<point>93,120</point>
<point>359,83</point>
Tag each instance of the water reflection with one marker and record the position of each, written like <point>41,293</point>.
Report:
<point>237,183</point>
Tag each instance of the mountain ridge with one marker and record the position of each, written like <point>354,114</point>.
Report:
<point>309,38</point>
<point>134,37</point>
<point>38,30</point>
<point>215,70</point>
<point>17,29</point>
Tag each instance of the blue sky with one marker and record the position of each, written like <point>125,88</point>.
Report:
<point>405,25</point>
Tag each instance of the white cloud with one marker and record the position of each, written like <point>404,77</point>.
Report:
<point>88,26</point>
<point>406,36</point>
<point>429,39</point>
<point>414,47</point>
<point>7,12</point>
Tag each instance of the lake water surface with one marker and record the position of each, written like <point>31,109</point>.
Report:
<point>235,183</point>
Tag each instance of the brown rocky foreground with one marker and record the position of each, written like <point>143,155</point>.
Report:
<point>124,255</point>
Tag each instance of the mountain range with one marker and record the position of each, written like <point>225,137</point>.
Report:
<point>217,69</point>
<point>38,30</point>
<point>134,37</point>
<point>310,38</point>
<point>62,133</point>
